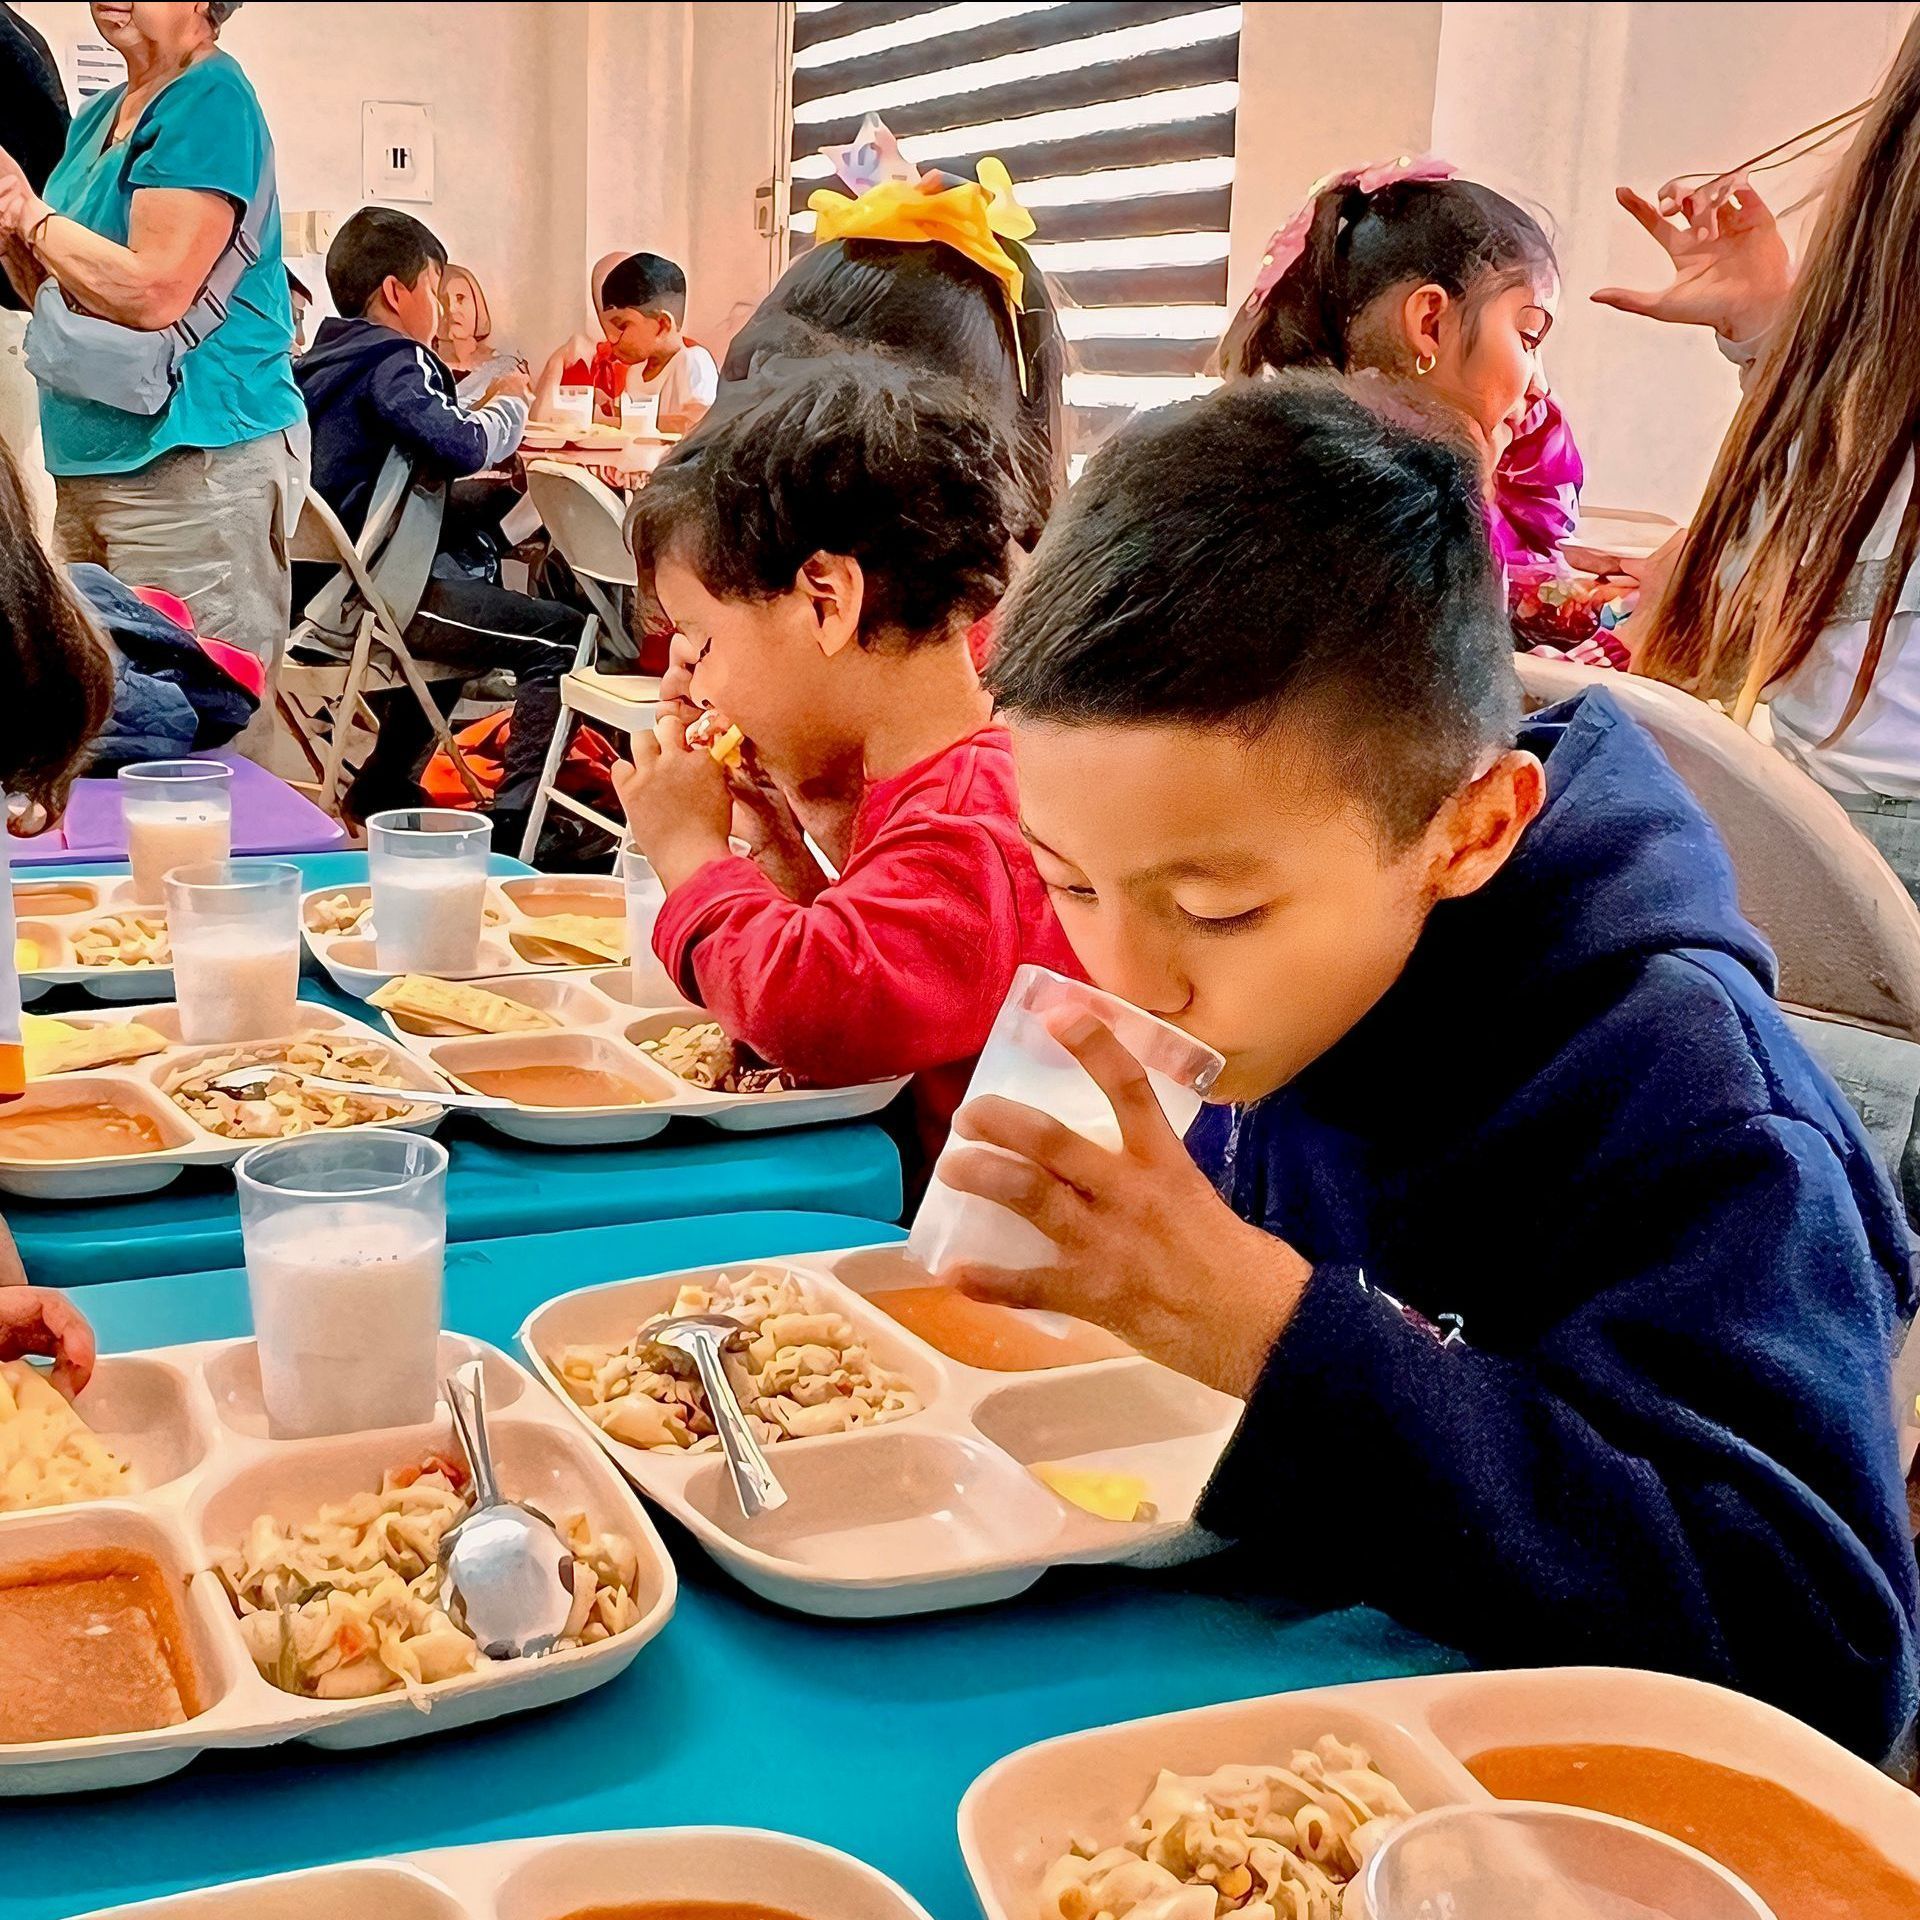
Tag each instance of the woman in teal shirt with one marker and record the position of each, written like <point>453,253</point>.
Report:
<point>199,497</point>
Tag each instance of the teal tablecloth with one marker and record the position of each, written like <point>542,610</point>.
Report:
<point>862,1736</point>
<point>495,1186</point>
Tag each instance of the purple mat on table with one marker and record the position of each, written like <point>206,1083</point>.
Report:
<point>268,817</point>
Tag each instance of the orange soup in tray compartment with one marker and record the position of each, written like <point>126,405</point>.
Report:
<point>916,1482</point>
<point>87,1135</point>
<point>1815,1832</point>
<point>578,1089</point>
<point>531,1040</point>
<point>278,1556</point>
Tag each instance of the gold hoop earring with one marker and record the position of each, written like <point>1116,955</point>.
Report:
<point>1424,364</point>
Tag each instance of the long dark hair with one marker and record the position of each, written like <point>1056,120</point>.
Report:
<point>1820,439</point>
<point>931,306</point>
<point>1453,234</point>
<point>54,666</point>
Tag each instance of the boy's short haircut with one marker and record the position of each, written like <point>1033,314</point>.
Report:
<point>647,283</point>
<point>858,456</point>
<point>1279,549</point>
<point>373,243</point>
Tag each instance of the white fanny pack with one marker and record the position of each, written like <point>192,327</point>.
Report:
<point>130,368</point>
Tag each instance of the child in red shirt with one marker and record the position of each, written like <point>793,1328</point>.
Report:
<point>824,544</point>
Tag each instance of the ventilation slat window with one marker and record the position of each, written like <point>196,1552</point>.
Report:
<point>1117,123</point>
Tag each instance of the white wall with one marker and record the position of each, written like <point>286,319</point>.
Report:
<point>569,128</point>
<point>1558,105</point>
<point>562,130</point>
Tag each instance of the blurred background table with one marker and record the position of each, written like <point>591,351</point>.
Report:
<point>269,817</point>
<point>495,1187</point>
<point>861,1735</point>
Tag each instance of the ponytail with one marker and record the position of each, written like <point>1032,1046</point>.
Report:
<point>1363,240</point>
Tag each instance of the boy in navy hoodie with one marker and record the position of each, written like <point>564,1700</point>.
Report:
<point>1561,1285</point>
<point>372,382</point>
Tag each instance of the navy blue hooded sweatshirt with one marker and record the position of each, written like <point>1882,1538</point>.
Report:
<point>369,388</point>
<point>1578,1122</point>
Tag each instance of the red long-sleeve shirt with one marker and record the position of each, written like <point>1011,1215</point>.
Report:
<point>901,964</point>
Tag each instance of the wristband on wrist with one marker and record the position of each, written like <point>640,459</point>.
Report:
<point>38,228</point>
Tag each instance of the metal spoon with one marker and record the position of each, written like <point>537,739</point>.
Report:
<point>243,1081</point>
<point>703,1338</point>
<point>506,1574</point>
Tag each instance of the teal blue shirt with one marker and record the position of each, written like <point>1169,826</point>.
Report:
<point>204,130</point>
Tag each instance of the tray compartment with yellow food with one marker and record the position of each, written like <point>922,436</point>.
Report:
<point>967,1469</point>
<point>514,1022</point>
<point>287,1584</point>
<point>132,1125</point>
<point>90,934</point>
<point>534,924</point>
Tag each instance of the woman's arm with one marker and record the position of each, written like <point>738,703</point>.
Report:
<point>174,236</point>
<point>25,272</point>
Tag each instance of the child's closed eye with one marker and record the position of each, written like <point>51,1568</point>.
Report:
<point>1225,923</point>
<point>1079,893</point>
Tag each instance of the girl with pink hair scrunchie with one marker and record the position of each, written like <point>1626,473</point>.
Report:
<point>1403,269</point>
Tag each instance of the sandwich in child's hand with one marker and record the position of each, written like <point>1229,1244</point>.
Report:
<point>724,742</point>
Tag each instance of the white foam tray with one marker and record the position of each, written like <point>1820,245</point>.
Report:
<point>354,967</point>
<point>1025,1811</point>
<point>136,1085</point>
<point>601,1028</point>
<point>190,1421</point>
<point>936,1510</point>
<point>54,934</point>
<point>548,1879</point>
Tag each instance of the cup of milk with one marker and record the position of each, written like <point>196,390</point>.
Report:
<point>1022,1061</point>
<point>640,414</point>
<point>235,926</point>
<point>428,866</point>
<point>653,986</point>
<point>572,409</point>
<point>178,813</point>
<point>345,1237</point>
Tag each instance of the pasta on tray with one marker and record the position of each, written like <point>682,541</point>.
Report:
<point>348,1603</point>
<point>804,1370</point>
<point>285,1106</point>
<point>1256,1843</point>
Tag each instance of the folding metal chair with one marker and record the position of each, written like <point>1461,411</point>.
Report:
<point>350,642</point>
<point>586,521</point>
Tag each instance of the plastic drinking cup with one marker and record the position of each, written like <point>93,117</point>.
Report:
<point>1022,1061</point>
<point>235,927</point>
<point>1547,1862</point>
<point>428,866</point>
<point>177,813</point>
<point>345,1237</point>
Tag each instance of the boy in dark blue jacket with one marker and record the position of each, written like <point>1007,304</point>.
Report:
<point>372,382</point>
<point>1562,1286</point>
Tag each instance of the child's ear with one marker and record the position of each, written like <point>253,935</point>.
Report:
<point>1480,826</point>
<point>1420,319</point>
<point>834,587</point>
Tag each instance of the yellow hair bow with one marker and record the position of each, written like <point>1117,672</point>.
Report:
<point>969,216</point>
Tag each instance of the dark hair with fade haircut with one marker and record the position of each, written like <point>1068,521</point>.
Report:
<point>373,243</point>
<point>648,283</point>
<point>1280,549</point>
<point>892,467</point>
